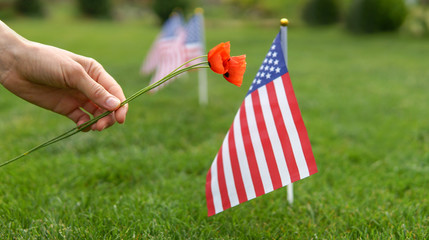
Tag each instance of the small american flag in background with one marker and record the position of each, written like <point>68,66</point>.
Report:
<point>175,45</point>
<point>267,146</point>
<point>168,52</point>
<point>194,44</point>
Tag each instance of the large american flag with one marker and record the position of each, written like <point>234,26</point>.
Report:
<point>267,146</point>
<point>168,51</point>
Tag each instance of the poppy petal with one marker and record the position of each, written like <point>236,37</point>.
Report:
<point>218,58</point>
<point>237,67</point>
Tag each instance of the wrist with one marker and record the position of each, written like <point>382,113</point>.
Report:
<point>11,44</point>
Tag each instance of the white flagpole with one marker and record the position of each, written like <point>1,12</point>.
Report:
<point>202,73</point>
<point>283,34</point>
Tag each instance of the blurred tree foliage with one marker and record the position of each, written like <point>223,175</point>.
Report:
<point>271,8</point>
<point>370,16</point>
<point>95,8</point>
<point>321,12</point>
<point>6,9</point>
<point>417,22</point>
<point>163,8</point>
<point>31,8</point>
<point>135,3</point>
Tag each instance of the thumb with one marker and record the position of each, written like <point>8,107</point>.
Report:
<point>97,93</point>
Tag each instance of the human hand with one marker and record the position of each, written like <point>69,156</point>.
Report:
<point>59,80</point>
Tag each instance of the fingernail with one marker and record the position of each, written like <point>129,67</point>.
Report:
<point>113,103</point>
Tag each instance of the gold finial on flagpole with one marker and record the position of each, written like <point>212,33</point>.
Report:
<point>199,10</point>
<point>284,22</point>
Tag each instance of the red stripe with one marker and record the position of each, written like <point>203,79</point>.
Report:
<point>151,59</point>
<point>266,142</point>
<point>209,195</point>
<point>299,123</point>
<point>236,172</point>
<point>221,180</point>
<point>250,153</point>
<point>282,132</point>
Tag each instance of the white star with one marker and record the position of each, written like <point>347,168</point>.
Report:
<point>265,60</point>
<point>259,81</point>
<point>263,75</point>
<point>277,70</point>
<point>266,68</point>
<point>271,68</point>
<point>250,87</point>
<point>270,61</point>
<point>275,54</point>
<point>268,76</point>
<point>254,80</point>
<point>257,74</point>
<point>269,54</point>
<point>262,67</point>
<point>273,47</point>
<point>276,62</point>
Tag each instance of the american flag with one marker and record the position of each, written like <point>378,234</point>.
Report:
<point>168,52</point>
<point>194,44</point>
<point>267,146</point>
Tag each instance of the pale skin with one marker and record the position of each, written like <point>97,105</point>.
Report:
<point>59,80</point>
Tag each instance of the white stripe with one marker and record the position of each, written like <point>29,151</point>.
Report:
<point>194,45</point>
<point>217,200</point>
<point>291,129</point>
<point>257,145</point>
<point>227,169</point>
<point>274,137</point>
<point>242,159</point>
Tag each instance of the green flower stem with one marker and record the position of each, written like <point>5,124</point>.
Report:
<point>181,69</point>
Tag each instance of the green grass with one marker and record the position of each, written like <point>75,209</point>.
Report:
<point>363,99</point>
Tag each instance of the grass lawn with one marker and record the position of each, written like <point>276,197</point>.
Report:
<point>363,99</point>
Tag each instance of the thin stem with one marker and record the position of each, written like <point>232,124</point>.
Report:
<point>156,84</point>
<point>179,70</point>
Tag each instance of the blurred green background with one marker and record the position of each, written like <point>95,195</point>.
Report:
<point>361,79</point>
<point>359,16</point>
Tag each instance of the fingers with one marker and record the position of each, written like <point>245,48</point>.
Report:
<point>121,113</point>
<point>104,122</point>
<point>112,89</point>
<point>89,77</point>
<point>80,117</point>
<point>96,92</point>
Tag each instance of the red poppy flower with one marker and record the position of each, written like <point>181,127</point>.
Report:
<point>218,58</point>
<point>237,67</point>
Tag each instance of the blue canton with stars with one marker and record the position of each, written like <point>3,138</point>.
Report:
<point>272,67</point>
<point>171,26</point>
